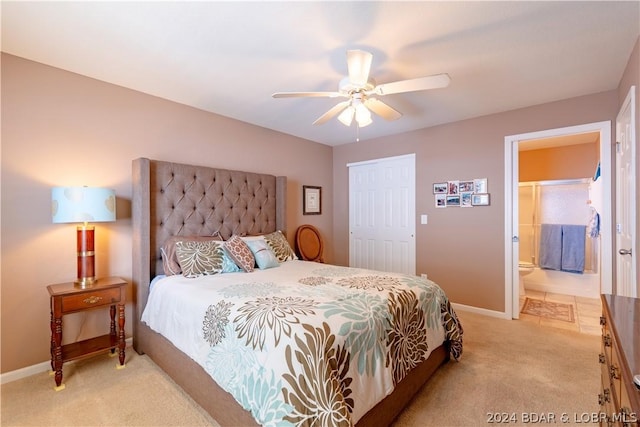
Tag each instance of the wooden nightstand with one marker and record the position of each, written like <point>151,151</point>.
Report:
<point>65,299</point>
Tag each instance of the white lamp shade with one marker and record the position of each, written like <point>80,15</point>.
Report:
<point>347,116</point>
<point>82,204</point>
<point>363,116</point>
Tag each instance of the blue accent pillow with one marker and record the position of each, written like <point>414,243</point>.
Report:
<point>265,258</point>
<point>228,266</point>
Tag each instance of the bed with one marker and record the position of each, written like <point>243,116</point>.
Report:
<point>308,363</point>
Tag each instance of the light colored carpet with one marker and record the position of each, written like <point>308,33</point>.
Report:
<point>98,394</point>
<point>548,309</point>
<point>510,367</point>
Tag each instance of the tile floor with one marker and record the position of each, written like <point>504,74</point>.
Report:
<point>587,312</point>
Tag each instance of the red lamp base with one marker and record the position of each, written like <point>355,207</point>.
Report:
<point>86,257</point>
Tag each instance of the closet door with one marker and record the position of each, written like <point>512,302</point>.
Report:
<point>382,214</point>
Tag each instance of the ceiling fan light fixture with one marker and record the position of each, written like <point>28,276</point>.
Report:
<point>346,117</point>
<point>359,87</point>
<point>363,115</point>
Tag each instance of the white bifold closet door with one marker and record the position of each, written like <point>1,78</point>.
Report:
<point>382,214</point>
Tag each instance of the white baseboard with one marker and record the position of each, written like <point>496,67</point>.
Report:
<point>18,374</point>
<point>39,368</point>
<point>483,311</point>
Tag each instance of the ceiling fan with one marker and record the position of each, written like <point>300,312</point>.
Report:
<point>361,90</point>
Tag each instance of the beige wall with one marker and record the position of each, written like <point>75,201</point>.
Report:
<point>462,249</point>
<point>59,128</point>
<point>566,162</point>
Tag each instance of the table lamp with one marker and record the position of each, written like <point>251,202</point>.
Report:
<point>83,205</point>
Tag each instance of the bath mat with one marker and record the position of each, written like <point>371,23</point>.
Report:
<point>548,309</point>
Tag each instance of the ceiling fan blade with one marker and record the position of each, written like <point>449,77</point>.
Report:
<point>382,109</point>
<point>422,83</point>
<point>307,94</point>
<point>359,64</point>
<point>332,112</point>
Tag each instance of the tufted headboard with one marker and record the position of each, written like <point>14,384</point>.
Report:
<point>172,199</point>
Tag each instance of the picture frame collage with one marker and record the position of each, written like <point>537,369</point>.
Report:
<point>461,193</point>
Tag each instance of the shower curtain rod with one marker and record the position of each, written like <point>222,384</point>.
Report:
<point>558,182</point>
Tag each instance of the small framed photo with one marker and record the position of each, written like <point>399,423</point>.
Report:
<point>441,200</point>
<point>480,199</point>
<point>453,187</point>
<point>440,188</point>
<point>453,200</point>
<point>466,187</point>
<point>480,186</point>
<point>465,199</point>
<point>311,200</point>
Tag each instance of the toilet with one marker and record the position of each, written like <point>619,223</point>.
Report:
<point>524,268</point>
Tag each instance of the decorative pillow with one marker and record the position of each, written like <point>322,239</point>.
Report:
<point>240,253</point>
<point>265,258</point>
<point>199,258</point>
<point>170,263</point>
<point>280,246</point>
<point>228,266</point>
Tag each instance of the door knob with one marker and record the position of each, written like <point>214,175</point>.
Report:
<point>624,251</point>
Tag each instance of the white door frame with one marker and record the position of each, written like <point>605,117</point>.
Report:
<point>511,250</point>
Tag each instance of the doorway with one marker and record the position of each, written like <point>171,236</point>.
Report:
<point>512,241</point>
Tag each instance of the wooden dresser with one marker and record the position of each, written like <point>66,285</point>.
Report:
<point>620,361</point>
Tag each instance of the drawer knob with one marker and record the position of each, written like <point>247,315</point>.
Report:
<point>607,340</point>
<point>601,358</point>
<point>603,321</point>
<point>614,372</point>
<point>92,300</point>
<point>604,397</point>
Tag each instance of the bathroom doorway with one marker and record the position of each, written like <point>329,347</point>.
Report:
<point>547,139</point>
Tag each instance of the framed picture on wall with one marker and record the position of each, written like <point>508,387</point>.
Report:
<point>453,200</point>
<point>480,185</point>
<point>466,186</point>
<point>441,200</point>
<point>453,187</point>
<point>311,200</point>
<point>440,188</point>
<point>465,199</point>
<point>480,199</point>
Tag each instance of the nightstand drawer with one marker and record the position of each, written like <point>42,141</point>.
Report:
<point>91,299</point>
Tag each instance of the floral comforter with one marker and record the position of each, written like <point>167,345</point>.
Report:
<point>305,343</point>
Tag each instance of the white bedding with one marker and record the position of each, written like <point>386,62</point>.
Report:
<point>304,343</point>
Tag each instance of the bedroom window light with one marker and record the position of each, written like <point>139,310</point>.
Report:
<point>83,205</point>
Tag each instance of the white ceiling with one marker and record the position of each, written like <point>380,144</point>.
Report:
<point>229,57</point>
